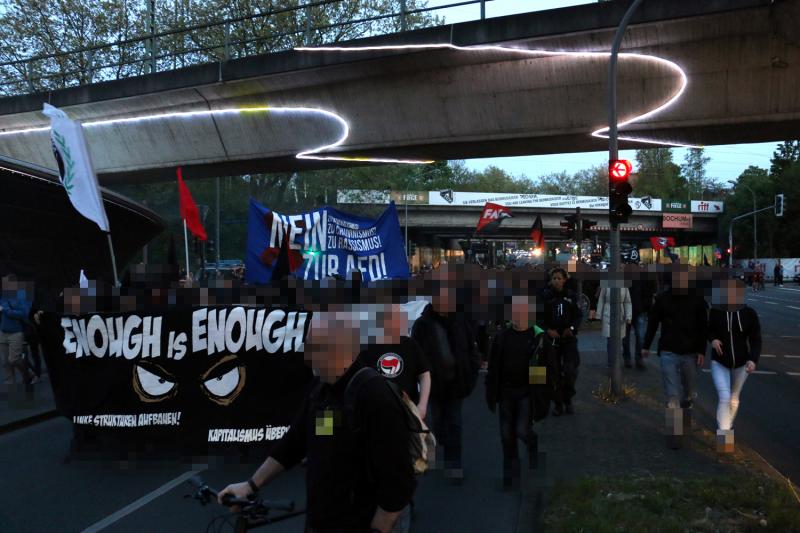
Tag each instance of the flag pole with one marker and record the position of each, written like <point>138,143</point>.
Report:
<point>186,247</point>
<point>113,259</point>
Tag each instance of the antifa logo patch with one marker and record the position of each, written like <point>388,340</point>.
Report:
<point>390,365</point>
<point>662,241</point>
<point>447,195</point>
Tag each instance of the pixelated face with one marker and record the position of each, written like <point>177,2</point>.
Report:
<point>523,310</point>
<point>557,280</point>
<point>680,279</point>
<point>443,299</point>
<point>394,323</point>
<point>332,343</point>
<point>729,293</point>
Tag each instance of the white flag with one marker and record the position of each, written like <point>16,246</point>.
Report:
<point>75,166</point>
<point>83,281</point>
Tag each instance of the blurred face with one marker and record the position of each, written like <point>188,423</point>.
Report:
<point>680,280</point>
<point>523,311</point>
<point>557,281</point>
<point>332,344</point>
<point>395,324</point>
<point>731,294</point>
<point>444,300</point>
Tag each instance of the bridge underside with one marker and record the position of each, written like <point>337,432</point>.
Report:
<point>741,57</point>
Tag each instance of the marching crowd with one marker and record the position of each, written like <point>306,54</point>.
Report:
<point>361,451</point>
<point>391,379</point>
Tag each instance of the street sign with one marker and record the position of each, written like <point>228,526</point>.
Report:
<point>675,206</point>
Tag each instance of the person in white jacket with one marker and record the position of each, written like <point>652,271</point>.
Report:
<point>625,314</point>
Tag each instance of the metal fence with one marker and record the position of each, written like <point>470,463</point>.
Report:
<point>308,23</point>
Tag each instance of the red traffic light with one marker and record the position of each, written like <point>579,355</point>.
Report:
<point>619,170</point>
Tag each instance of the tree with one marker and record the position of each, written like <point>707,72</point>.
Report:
<point>61,43</point>
<point>785,154</point>
<point>658,176</point>
<point>694,171</point>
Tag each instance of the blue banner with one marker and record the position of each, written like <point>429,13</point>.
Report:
<point>323,243</point>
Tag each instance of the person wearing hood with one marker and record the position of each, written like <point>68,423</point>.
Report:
<point>734,332</point>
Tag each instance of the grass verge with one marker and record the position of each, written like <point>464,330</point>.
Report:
<point>722,504</point>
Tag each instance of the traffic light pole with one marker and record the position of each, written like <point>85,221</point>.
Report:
<point>615,281</point>
<point>578,241</point>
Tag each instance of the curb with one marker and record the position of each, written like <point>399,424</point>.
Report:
<point>28,421</point>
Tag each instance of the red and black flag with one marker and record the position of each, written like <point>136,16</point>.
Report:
<point>537,233</point>
<point>491,217</point>
<point>659,243</point>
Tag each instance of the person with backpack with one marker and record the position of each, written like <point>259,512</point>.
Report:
<point>352,429</point>
<point>513,361</point>
<point>447,337</point>
<point>734,332</point>
<point>561,320</point>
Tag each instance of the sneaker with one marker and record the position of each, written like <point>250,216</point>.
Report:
<point>570,409</point>
<point>34,380</point>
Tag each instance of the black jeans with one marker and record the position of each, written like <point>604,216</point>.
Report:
<point>445,421</point>
<point>567,361</point>
<point>516,422</point>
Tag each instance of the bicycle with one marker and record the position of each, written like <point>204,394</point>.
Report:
<point>252,513</point>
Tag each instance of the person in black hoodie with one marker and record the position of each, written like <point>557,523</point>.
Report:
<point>680,310</point>
<point>735,335</point>
<point>561,319</point>
<point>447,338</point>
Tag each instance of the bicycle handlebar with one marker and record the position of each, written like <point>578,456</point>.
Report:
<point>228,500</point>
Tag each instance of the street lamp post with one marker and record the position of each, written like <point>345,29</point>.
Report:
<point>755,219</point>
<point>613,154</point>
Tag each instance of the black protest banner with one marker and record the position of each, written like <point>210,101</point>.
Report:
<point>197,377</point>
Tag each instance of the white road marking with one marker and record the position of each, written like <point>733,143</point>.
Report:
<point>788,289</point>
<point>792,356</point>
<point>770,303</point>
<point>768,355</point>
<point>790,336</point>
<point>794,373</point>
<point>141,502</point>
<point>768,372</point>
<point>793,307</point>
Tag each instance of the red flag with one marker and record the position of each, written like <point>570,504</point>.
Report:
<point>659,243</point>
<point>189,211</point>
<point>491,217</point>
<point>537,233</point>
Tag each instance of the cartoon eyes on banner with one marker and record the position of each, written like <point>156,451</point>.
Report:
<point>152,383</point>
<point>221,383</point>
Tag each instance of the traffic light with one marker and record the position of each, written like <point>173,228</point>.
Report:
<point>588,224</point>
<point>779,205</point>
<point>569,227</point>
<point>618,190</point>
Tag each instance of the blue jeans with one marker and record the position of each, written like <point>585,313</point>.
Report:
<point>639,328</point>
<point>678,374</point>
<point>446,423</point>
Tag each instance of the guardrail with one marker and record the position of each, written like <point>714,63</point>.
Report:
<point>310,23</point>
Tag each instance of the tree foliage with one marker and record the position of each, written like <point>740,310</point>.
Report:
<point>91,29</point>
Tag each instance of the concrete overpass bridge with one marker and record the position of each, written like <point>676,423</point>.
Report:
<point>741,59</point>
<point>429,225</point>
